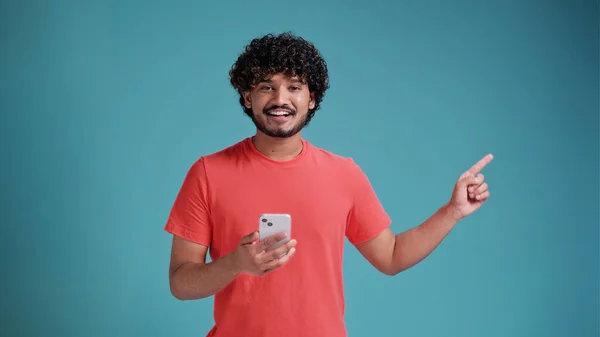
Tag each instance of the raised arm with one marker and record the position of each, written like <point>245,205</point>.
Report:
<point>392,254</point>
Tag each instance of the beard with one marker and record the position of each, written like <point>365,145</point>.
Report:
<point>278,132</point>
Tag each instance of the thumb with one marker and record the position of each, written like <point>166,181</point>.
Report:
<point>250,238</point>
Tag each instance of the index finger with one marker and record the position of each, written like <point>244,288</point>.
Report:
<point>481,164</point>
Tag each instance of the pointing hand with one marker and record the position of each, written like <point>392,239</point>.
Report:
<point>470,191</point>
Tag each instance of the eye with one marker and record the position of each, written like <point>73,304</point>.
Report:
<point>295,88</point>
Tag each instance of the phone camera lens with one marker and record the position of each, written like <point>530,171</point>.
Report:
<point>264,220</point>
<point>269,224</point>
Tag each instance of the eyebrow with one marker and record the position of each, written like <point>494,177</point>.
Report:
<point>293,80</point>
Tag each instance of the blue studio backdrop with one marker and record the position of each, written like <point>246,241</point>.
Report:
<point>106,104</point>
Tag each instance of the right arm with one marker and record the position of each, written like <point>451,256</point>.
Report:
<point>190,277</point>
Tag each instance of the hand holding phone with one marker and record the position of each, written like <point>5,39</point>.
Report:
<point>262,251</point>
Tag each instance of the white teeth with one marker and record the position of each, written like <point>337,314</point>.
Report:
<point>279,113</point>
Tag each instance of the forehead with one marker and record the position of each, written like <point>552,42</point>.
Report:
<point>282,77</point>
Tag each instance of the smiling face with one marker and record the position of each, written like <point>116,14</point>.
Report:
<point>280,105</point>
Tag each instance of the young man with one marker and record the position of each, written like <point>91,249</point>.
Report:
<point>296,289</point>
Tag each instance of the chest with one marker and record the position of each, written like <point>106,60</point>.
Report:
<point>317,200</point>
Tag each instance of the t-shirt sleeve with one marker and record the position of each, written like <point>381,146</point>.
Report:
<point>190,217</point>
<point>367,216</point>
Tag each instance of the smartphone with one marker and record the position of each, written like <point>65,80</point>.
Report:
<point>270,224</point>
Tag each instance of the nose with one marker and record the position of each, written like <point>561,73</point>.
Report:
<point>280,97</point>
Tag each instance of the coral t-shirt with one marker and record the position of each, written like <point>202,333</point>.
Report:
<point>329,199</point>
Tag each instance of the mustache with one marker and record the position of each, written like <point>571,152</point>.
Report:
<point>280,107</point>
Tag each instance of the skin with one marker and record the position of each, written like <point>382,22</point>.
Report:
<point>192,278</point>
<point>289,94</point>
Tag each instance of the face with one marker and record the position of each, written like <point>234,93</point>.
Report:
<point>280,105</point>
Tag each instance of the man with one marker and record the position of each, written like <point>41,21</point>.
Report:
<point>296,289</point>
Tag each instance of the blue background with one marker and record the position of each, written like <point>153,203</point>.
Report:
<point>106,104</point>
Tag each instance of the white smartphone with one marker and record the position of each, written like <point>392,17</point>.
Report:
<point>270,224</point>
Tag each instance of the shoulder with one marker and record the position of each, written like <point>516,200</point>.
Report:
<point>231,152</point>
<point>219,159</point>
<point>344,164</point>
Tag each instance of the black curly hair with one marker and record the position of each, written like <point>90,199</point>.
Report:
<point>283,53</point>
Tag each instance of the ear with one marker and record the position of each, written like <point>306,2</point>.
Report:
<point>312,102</point>
<point>247,99</point>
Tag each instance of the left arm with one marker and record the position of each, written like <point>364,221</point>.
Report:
<point>392,254</point>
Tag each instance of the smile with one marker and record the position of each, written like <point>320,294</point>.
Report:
<point>279,113</point>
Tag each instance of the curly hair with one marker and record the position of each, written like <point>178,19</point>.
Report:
<point>284,53</point>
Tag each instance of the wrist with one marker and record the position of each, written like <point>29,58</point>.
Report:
<point>451,212</point>
<point>231,263</point>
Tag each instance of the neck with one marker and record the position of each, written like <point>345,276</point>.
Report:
<point>278,148</point>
